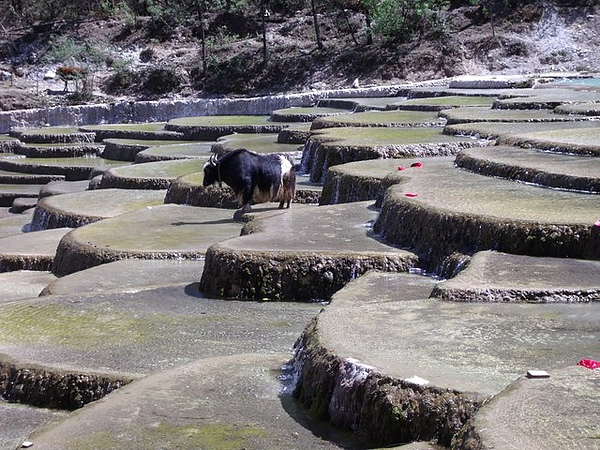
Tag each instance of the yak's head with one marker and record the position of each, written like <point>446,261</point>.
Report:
<point>211,171</point>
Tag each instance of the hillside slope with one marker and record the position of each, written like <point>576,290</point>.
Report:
<point>136,61</point>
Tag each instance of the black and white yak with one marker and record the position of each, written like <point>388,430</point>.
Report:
<point>262,178</point>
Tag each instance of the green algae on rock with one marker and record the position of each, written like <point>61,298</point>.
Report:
<point>367,180</point>
<point>152,175</point>
<point>30,251</point>
<point>57,150</point>
<point>74,210</point>
<point>439,103</point>
<point>161,232</point>
<point>394,118</point>
<point>142,131</point>
<point>453,358</point>
<point>259,143</point>
<point>480,114</point>
<point>126,149</point>
<point>304,114</point>
<point>74,168</point>
<point>533,166</point>
<point>56,135</point>
<point>196,150</point>
<point>533,222</point>
<point>578,141</point>
<point>500,277</point>
<point>494,130</point>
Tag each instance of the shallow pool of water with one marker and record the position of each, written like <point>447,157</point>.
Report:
<point>580,81</point>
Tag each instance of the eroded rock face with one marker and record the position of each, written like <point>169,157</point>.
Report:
<point>279,276</point>
<point>54,389</point>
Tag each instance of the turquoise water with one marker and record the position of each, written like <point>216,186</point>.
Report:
<point>580,81</point>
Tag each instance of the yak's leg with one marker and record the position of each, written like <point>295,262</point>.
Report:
<point>247,194</point>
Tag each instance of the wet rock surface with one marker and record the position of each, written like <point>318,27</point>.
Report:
<point>31,251</point>
<point>557,170</point>
<point>466,213</point>
<point>516,415</point>
<point>442,354</point>
<point>72,210</point>
<point>500,277</point>
<point>202,404</point>
<point>162,232</point>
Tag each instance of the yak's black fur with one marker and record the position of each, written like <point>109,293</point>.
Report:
<point>253,176</point>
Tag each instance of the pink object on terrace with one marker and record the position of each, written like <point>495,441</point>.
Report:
<point>401,168</point>
<point>589,363</point>
<point>417,164</point>
<point>411,194</point>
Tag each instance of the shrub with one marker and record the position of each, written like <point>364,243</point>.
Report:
<point>122,81</point>
<point>401,20</point>
<point>62,49</point>
<point>161,80</point>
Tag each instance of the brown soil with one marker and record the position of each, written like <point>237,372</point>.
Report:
<point>166,63</point>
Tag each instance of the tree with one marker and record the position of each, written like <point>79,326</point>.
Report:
<point>401,20</point>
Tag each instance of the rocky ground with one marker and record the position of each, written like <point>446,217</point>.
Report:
<point>139,62</point>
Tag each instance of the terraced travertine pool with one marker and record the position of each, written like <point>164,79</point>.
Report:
<point>206,302</point>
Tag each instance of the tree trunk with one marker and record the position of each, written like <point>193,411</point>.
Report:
<point>265,14</point>
<point>369,31</point>
<point>203,39</point>
<point>316,23</point>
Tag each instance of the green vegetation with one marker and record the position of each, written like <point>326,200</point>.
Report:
<point>77,328</point>
<point>231,47</point>
<point>400,20</point>
<point>210,436</point>
<point>214,121</point>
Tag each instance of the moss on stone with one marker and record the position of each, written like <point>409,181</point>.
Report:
<point>259,143</point>
<point>211,436</point>
<point>482,114</point>
<point>395,118</point>
<point>446,101</point>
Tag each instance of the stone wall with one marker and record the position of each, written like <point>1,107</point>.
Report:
<point>164,110</point>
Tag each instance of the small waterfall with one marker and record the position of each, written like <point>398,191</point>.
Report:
<point>306,162</point>
<point>345,404</point>
<point>290,372</point>
<point>40,220</point>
